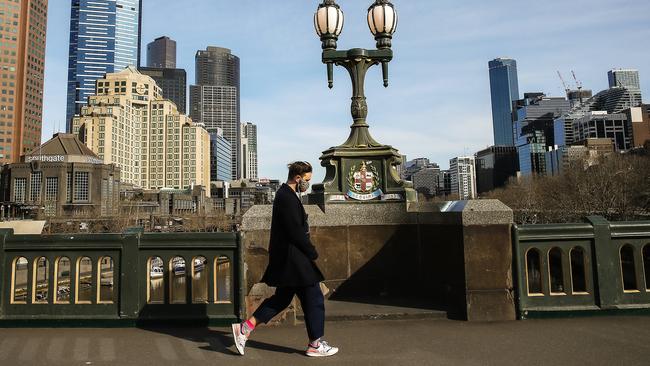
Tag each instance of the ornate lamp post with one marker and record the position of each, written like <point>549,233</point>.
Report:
<point>361,169</point>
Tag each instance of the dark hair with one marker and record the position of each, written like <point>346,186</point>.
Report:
<point>299,168</point>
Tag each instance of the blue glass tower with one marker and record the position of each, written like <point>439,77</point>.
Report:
<point>220,157</point>
<point>104,38</point>
<point>504,88</point>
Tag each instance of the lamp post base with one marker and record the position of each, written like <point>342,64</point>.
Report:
<point>361,174</point>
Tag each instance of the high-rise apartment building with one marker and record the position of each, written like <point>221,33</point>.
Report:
<point>504,89</point>
<point>215,99</point>
<point>104,38</point>
<point>249,151</point>
<point>161,53</point>
<point>624,78</point>
<point>129,124</point>
<point>22,47</point>
<point>463,177</point>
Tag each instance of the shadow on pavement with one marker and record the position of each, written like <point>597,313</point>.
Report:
<point>219,341</point>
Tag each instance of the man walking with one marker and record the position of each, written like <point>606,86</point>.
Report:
<point>291,267</point>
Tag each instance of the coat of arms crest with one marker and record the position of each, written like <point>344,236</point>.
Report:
<point>364,182</point>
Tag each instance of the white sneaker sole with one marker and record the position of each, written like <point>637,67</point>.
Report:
<point>235,331</point>
<point>315,354</point>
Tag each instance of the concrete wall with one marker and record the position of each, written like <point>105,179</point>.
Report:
<point>454,256</point>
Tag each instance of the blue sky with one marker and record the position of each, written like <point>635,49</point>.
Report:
<point>438,103</point>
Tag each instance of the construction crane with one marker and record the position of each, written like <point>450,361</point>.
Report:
<point>578,85</point>
<point>578,82</point>
<point>566,87</point>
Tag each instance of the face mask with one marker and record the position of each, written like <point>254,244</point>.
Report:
<point>302,186</point>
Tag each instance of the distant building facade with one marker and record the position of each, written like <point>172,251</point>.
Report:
<point>495,166</point>
<point>444,183</point>
<point>426,180</point>
<point>172,82</point>
<point>603,125</point>
<point>583,155</point>
<point>220,157</point>
<point>215,97</point>
<point>23,34</point>
<point>161,53</point>
<point>624,78</point>
<point>248,153</point>
<point>413,166</point>
<point>62,178</point>
<point>129,124</point>
<point>463,177</point>
<point>104,38</point>
<point>638,124</point>
<point>504,90</point>
<point>535,127</point>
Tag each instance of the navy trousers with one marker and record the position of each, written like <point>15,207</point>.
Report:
<point>311,300</point>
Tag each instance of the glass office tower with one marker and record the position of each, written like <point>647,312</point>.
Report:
<point>104,38</point>
<point>504,88</point>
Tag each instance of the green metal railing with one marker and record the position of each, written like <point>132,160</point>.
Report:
<point>594,266</point>
<point>127,279</point>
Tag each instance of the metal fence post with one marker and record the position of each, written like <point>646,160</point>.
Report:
<point>607,264</point>
<point>129,278</point>
<point>518,271</point>
<point>4,269</point>
<point>242,276</point>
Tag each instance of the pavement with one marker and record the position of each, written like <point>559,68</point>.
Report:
<point>581,341</point>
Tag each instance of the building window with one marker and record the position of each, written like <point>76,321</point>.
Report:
<point>20,185</point>
<point>81,186</point>
<point>51,192</point>
<point>68,192</point>
<point>35,187</point>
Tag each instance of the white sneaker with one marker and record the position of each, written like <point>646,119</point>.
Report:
<point>323,350</point>
<point>239,338</point>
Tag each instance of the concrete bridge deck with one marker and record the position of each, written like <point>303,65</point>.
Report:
<point>585,341</point>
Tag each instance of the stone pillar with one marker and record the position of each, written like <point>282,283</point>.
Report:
<point>487,253</point>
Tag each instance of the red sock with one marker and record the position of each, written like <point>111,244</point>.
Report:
<point>248,326</point>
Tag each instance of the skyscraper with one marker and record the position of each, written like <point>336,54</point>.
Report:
<point>215,101</point>
<point>162,53</point>
<point>624,78</point>
<point>504,89</point>
<point>173,83</point>
<point>23,59</point>
<point>104,38</point>
<point>248,151</point>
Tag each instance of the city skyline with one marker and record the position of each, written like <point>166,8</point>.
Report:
<point>425,112</point>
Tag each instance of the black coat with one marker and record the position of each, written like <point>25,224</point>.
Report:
<point>291,253</point>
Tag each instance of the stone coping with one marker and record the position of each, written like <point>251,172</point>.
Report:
<point>473,212</point>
